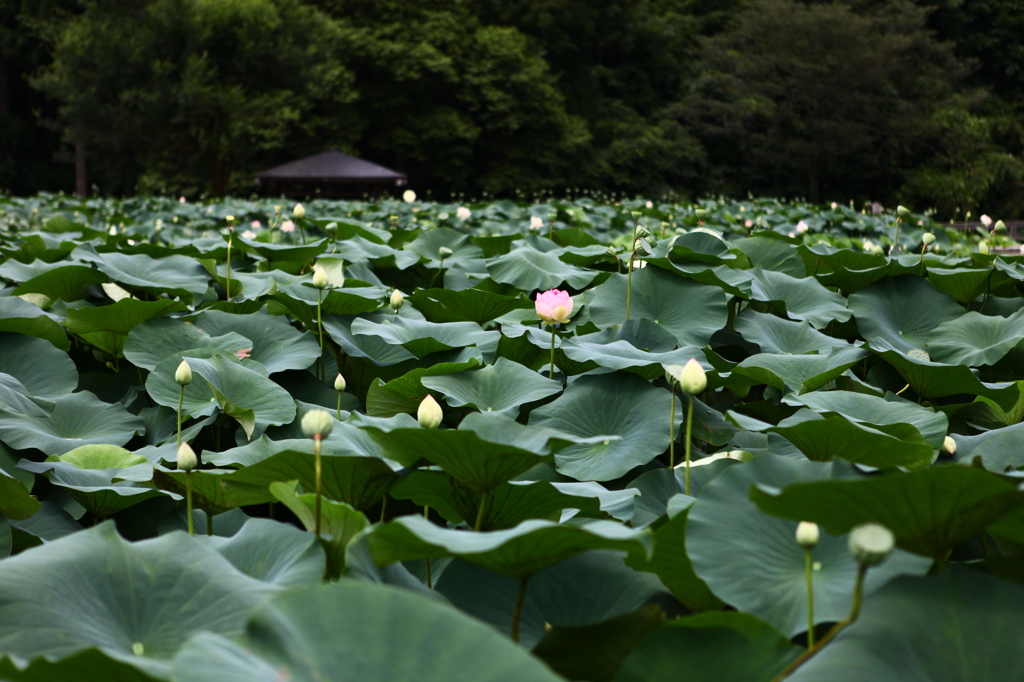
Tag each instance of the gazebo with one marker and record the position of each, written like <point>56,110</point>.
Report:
<point>331,174</point>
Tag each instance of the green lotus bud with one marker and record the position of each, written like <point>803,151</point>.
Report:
<point>700,213</point>
<point>339,383</point>
<point>636,214</point>
<point>317,424</point>
<point>807,534</point>
<point>949,445</point>
<point>870,543</point>
<point>927,238</point>
<point>903,212</point>
<point>183,375</point>
<point>444,252</point>
<point>983,248</point>
<point>299,211</point>
<point>320,279</point>
<point>692,379</point>
<point>642,231</point>
<point>187,460</point>
<point>999,226</point>
<point>429,413</point>
<point>397,299</point>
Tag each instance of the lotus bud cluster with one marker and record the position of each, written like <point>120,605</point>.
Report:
<point>871,543</point>
<point>807,534</point>
<point>183,375</point>
<point>554,305</point>
<point>429,413</point>
<point>187,460</point>
<point>317,424</point>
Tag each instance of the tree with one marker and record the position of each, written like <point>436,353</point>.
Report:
<point>182,91</point>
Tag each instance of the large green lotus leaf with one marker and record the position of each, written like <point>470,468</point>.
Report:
<point>594,406</point>
<point>14,397</point>
<point>868,409</point>
<point>507,505</point>
<point>701,247</point>
<point>776,335</point>
<point>174,275</point>
<point>139,604</point>
<point>620,354</point>
<point>335,632</point>
<point>711,647</point>
<point>379,351</point>
<point>429,242</point>
<point>276,345</point>
<point>101,457</point>
<point>528,269</point>
<point>284,252</point>
<point>42,369</point>
<point>198,399</point>
<point>77,419</point>
<point>938,508</point>
<point>67,283</point>
<point>89,665</point>
<point>752,561</point>
<point>210,489</point>
<point>690,311</point>
<point>823,437</point>
<point>358,481</point>
<point>586,589</point>
<point>15,501</point>
<point>356,249</point>
<point>902,310</point>
<point>101,491</point>
<point>516,552</point>
<point>799,373</point>
<point>966,284</point>
<point>974,339</point>
<point>799,298</point>
<point>938,380</point>
<point>107,326</point>
<point>998,449</point>
<point>157,339</point>
<point>300,301</point>
<point>405,393</point>
<point>961,625</point>
<point>732,282</point>
<point>501,387</point>
<point>469,305</point>
<point>769,253</point>
<point>272,552</point>
<point>422,338</point>
<point>19,316</point>
<point>340,522</point>
<point>240,389</point>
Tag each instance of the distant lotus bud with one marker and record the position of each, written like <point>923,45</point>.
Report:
<point>408,196</point>
<point>230,219</point>
<point>397,299</point>
<point>320,280</point>
<point>700,213</point>
<point>317,424</point>
<point>299,211</point>
<point>949,445</point>
<point>870,543</point>
<point>928,238</point>
<point>463,213</point>
<point>834,205</point>
<point>807,534</point>
<point>536,222</point>
<point>444,252</point>
<point>187,460</point>
<point>636,215</point>
<point>183,375</point>
<point>985,220</point>
<point>983,248</point>
<point>339,383</point>
<point>693,380</point>
<point>429,413</point>
<point>903,212</point>
<point>1000,225</point>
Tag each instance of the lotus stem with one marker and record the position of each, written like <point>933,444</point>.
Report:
<point>629,283</point>
<point>517,613</point>
<point>440,267</point>
<point>209,524</point>
<point>481,510</point>
<point>551,369</point>
<point>809,573</point>
<point>672,432</point>
<point>320,335</point>
<point>181,398</point>
<point>317,470</point>
<point>227,282</point>
<point>689,430</point>
<point>188,503</point>
<point>384,508</point>
<point>426,562</point>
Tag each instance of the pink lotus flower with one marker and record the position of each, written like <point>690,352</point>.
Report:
<point>287,226</point>
<point>554,305</point>
<point>256,224</point>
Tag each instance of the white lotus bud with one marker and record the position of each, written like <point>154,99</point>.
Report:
<point>927,238</point>
<point>183,375</point>
<point>871,543</point>
<point>949,445</point>
<point>408,196</point>
<point>339,383</point>
<point>693,379</point>
<point>320,279</point>
<point>984,248</point>
<point>299,211</point>
<point>397,299</point>
<point>807,534</point>
<point>429,413</point>
<point>187,460</point>
<point>317,424</point>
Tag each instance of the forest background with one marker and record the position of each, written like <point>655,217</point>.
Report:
<point>920,103</point>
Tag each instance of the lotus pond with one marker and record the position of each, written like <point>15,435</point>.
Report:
<point>574,440</point>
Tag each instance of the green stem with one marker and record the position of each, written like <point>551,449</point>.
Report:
<point>808,571</point>
<point>920,270</point>
<point>298,222</point>
<point>629,283</point>
<point>181,397</point>
<point>383,509</point>
<point>227,282</point>
<point>517,613</point>
<point>551,369</point>
<point>672,433</point>
<point>317,468</point>
<point>689,430</point>
<point>209,524</point>
<point>440,267</point>
<point>430,583</point>
<point>481,510</point>
<point>320,329</point>
<point>188,502</point>
<point>339,405</point>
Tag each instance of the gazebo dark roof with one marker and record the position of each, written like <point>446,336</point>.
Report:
<point>332,173</point>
